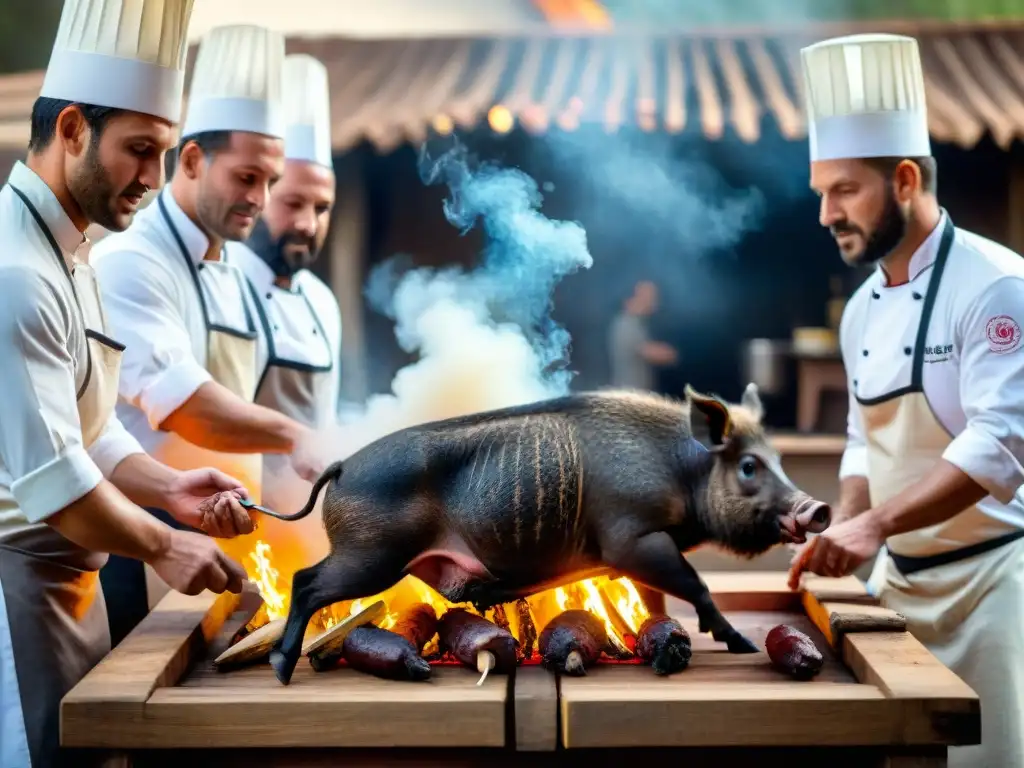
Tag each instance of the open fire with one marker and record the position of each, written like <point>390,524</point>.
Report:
<point>615,602</point>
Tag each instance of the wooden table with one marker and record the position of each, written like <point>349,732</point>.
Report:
<point>881,699</point>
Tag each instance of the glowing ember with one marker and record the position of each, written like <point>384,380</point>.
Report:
<point>616,602</point>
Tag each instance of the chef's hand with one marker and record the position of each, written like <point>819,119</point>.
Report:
<point>840,550</point>
<point>207,499</point>
<point>192,562</point>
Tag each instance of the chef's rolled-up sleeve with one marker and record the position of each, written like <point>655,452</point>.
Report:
<point>114,445</point>
<point>991,344</point>
<point>854,462</point>
<point>159,371</point>
<point>40,431</point>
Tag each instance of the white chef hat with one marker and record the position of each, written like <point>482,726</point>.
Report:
<point>236,82</point>
<point>307,110</point>
<point>126,54</point>
<point>865,97</point>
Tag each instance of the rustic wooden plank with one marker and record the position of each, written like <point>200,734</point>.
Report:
<point>835,619</point>
<point>342,708</point>
<point>628,706</point>
<point>938,706</point>
<point>535,694</point>
<point>769,590</point>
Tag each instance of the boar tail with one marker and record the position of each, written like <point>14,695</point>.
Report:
<point>332,472</point>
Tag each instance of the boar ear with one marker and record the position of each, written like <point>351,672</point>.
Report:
<point>751,400</point>
<point>716,422</point>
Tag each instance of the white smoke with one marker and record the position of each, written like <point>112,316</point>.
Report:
<point>484,338</point>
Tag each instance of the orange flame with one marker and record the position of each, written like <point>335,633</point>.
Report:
<point>616,602</point>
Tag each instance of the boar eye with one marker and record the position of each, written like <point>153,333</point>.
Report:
<point>747,468</point>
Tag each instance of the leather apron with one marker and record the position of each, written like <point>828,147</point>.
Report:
<point>52,606</point>
<point>959,583</point>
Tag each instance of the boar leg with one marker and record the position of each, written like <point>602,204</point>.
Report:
<point>655,561</point>
<point>332,580</point>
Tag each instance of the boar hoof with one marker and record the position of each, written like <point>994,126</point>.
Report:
<point>281,667</point>
<point>737,643</point>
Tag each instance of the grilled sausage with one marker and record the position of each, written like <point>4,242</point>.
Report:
<point>664,644</point>
<point>793,652</point>
<point>476,642</point>
<point>572,641</point>
<point>417,624</point>
<point>382,653</point>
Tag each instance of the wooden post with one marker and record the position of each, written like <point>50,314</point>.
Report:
<point>345,248</point>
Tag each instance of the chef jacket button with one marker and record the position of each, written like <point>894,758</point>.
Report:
<point>276,328</point>
<point>314,331</point>
<point>269,295</point>
<point>865,353</point>
<point>916,295</point>
<point>875,295</point>
<point>907,350</point>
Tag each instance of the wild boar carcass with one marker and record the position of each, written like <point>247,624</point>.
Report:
<point>499,505</point>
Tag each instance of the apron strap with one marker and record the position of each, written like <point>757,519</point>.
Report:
<point>945,246</point>
<point>907,565</point>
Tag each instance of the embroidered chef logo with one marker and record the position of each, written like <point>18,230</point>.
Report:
<point>1003,334</point>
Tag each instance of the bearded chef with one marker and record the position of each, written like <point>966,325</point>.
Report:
<point>70,475</point>
<point>299,321</point>
<point>181,305</point>
<point>935,362</point>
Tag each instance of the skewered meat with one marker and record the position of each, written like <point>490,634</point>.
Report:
<point>664,644</point>
<point>572,641</point>
<point>793,652</point>
<point>385,654</point>
<point>476,642</point>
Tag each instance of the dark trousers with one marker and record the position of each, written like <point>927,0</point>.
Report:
<point>123,581</point>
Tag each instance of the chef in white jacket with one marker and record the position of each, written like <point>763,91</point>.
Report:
<point>299,320</point>
<point>934,356</point>
<point>70,475</point>
<point>182,307</point>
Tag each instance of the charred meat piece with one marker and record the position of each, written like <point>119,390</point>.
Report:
<point>572,641</point>
<point>476,642</point>
<point>382,653</point>
<point>664,644</point>
<point>793,652</point>
<point>418,625</point>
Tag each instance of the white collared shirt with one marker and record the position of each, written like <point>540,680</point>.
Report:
<point>153,306</point>
<point>973,372</point>
<point>44,465</point>
<point>296,335</point>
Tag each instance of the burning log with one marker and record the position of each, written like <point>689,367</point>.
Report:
<point>384,653</point>
<point>572,641</point>
<point>326,650</point>
<point>478,643</point>
<point>616,649</point>
<point>418,625</point>
<point>254,647</point>
<point>664,644</point>
<point>499,618</point>
<point>527,628</point>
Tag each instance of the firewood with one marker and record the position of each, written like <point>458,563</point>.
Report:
<point>325,650</point>
<point>251,649</point>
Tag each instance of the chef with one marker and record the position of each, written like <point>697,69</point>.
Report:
<point>182,307</point>
<point>299,321</point>
<point>70,475</point>
<point>934,356</point>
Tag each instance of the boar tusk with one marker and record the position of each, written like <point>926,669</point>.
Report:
<point>485,662</point>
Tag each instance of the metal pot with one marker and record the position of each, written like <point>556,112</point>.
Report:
<point>764,363</point>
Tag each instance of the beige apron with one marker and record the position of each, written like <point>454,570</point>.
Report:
<point>52,604</point>
<point>303,391</point>
<point>959,583</point>
<point>231,362</point>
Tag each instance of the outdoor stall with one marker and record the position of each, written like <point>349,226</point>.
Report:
<point>877,698</point>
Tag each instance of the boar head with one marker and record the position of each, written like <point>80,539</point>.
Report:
<point>750,504</point>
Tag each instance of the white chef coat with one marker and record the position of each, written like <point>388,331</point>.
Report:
<point>303,333</point>
<point>44,466</point>
<point>973,373</point>
<point>154,309</point>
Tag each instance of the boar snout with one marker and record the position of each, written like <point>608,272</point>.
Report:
<point>811,515</point>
